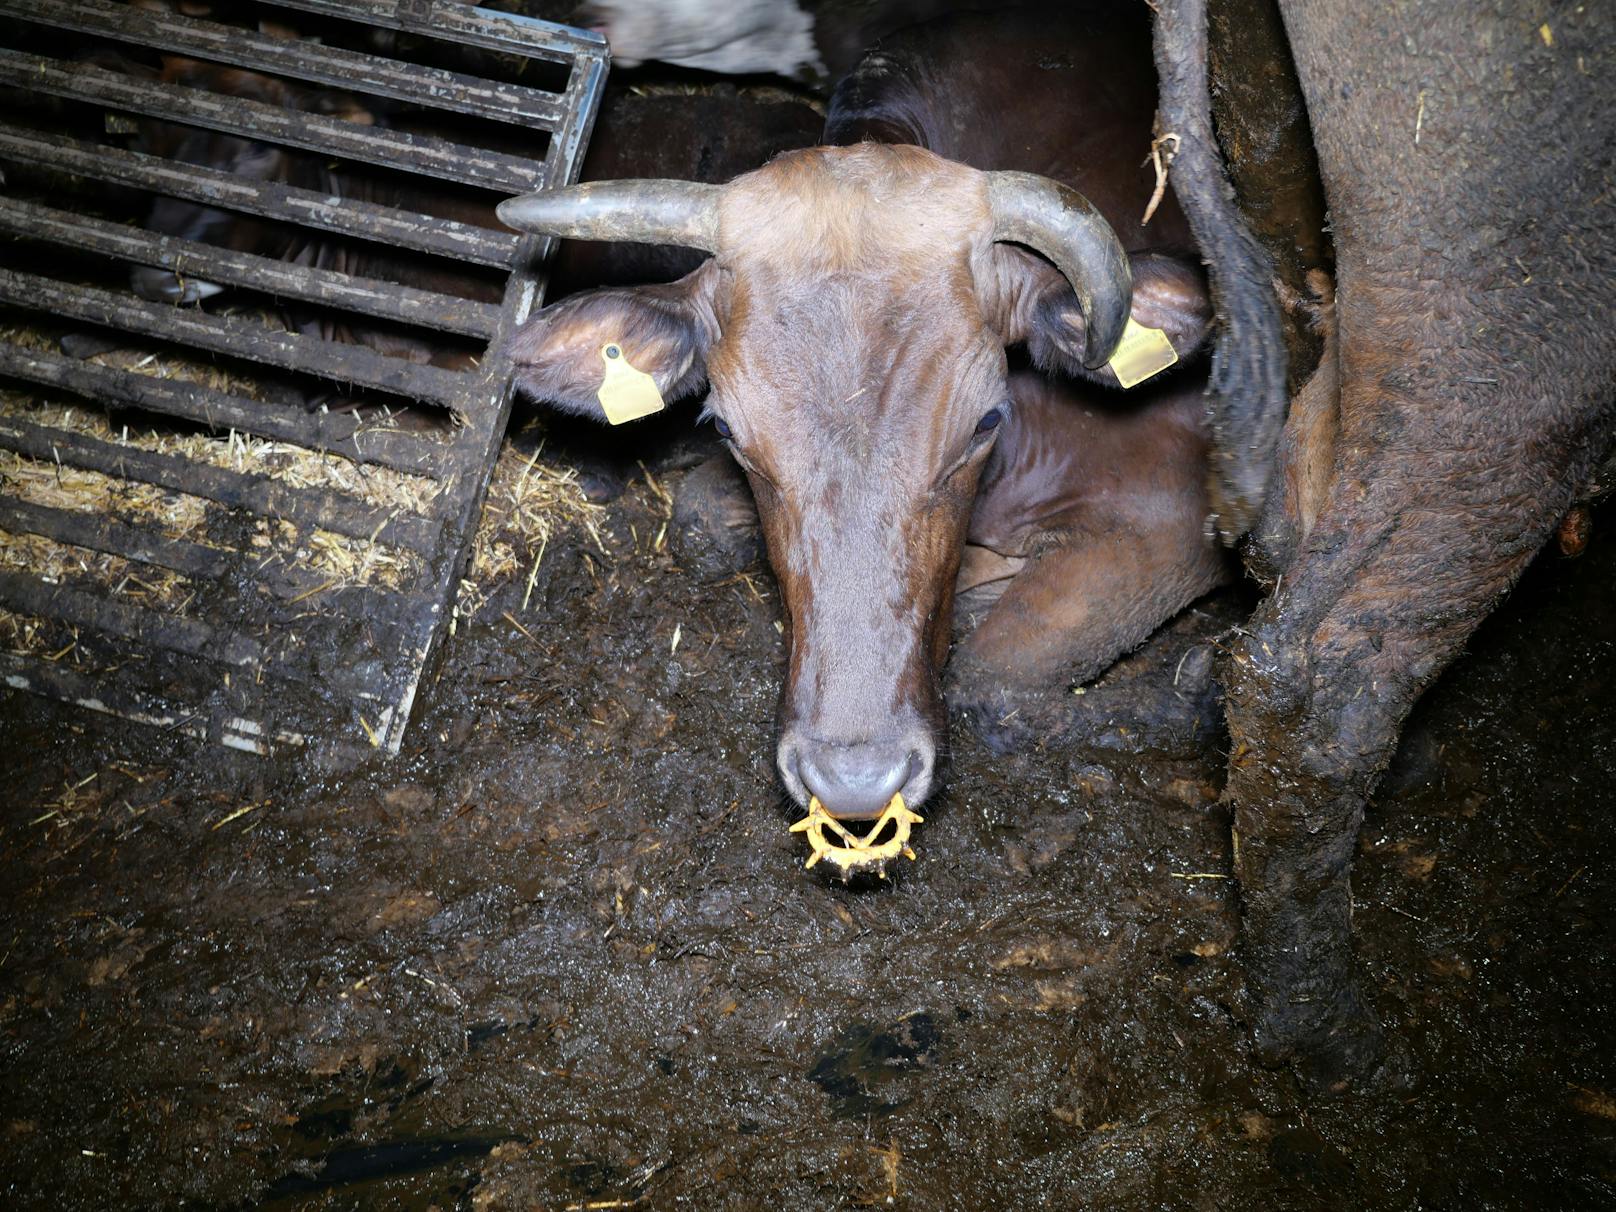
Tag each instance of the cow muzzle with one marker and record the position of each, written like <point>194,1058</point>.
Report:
<point>858,797</point>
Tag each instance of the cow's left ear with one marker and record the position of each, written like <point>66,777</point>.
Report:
<point>1030,303</point>
<point>561,355</point>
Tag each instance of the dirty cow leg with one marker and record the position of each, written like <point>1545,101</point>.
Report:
<point>1069,614</point>
<point>1317,688</point>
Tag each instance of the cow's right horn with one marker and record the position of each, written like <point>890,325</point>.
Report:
<point>1065,226</point>
<point>644,212</point>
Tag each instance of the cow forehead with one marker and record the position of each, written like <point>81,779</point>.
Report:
<point>852,324</point>
<point>833,382</point>
<point>869,209</point>
<point>838,342</point>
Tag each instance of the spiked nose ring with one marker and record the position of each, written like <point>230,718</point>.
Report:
<point>850,854</point>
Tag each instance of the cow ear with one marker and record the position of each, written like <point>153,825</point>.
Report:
<point>1034,305</point>
<point>663,331</point>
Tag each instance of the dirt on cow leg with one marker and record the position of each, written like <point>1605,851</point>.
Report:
<point>1293,844</point>
<point>1319,684</point>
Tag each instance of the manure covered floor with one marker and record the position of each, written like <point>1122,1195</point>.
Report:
<point>562,954</point>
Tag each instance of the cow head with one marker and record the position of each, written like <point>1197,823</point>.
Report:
<point>851,326</point>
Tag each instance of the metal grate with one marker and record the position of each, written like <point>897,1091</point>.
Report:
<point>262,641</point>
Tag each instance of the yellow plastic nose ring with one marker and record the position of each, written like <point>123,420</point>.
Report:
<point>859,853</point>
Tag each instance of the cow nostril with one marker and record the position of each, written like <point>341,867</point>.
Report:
<point>855,782</point>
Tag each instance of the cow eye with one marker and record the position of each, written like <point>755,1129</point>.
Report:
<point>990,420</point>
<point>722,426</point>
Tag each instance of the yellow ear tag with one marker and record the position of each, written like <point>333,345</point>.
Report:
<point>626,394</point>
<point>1143,352</point>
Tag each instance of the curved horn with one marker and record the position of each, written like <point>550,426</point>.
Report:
<point>645,212</point>
<point>1065,226</point>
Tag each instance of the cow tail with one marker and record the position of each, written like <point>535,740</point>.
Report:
<point>1246,396</point>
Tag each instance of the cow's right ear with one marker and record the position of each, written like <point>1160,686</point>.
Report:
<point>664,331</point>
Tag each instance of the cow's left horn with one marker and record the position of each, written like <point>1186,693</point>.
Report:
<point>1065,226</point>
<point>646,212</point>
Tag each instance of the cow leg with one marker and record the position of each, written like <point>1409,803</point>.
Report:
<point>1474,399</point>
<point>715,528</point>
<point>1386,590</point>
<point>1070,613</point>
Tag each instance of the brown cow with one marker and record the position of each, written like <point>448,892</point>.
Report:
<point>852,327</point>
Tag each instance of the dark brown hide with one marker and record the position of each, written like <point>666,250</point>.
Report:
<point>1466,152</point>
<point>1096,507</point>
<point>1261,119</point>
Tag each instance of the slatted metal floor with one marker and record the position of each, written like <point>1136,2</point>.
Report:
<point>229,520</point>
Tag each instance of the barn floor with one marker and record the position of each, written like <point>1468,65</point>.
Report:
<point>563,954</point>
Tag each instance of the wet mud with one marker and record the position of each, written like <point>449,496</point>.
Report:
<point>562,953</point>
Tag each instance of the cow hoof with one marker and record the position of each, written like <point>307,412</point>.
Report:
<point>1136,706</point>
<point>714,529</point>
<point>1340,1051</point>
<point>600,480</point>
<point>1162,698</point>
<point>1005,717</point>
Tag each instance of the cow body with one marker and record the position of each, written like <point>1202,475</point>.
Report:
<point>852,327</point>
<point>1466,155</point>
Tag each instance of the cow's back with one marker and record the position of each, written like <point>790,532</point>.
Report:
<point>1070,96</point>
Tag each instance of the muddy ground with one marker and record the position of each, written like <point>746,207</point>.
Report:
<point>563,952</point>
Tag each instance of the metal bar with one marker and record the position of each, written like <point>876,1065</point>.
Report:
<point>564,158</point>
<point>234,335</point>
<point>369,646</point>
<point>369,296</point>
<point>192,637</point>
<point>98,533</point>
<point>352,71</point>
<point>340,433</point>
<point>101,693</point>
<point>267,199</point>
<point>462,502</point>
<point>260,494</point>
<point>147,691</point>
<point>464,24</point>
<point>425,154</point>
<point>73,606</point>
